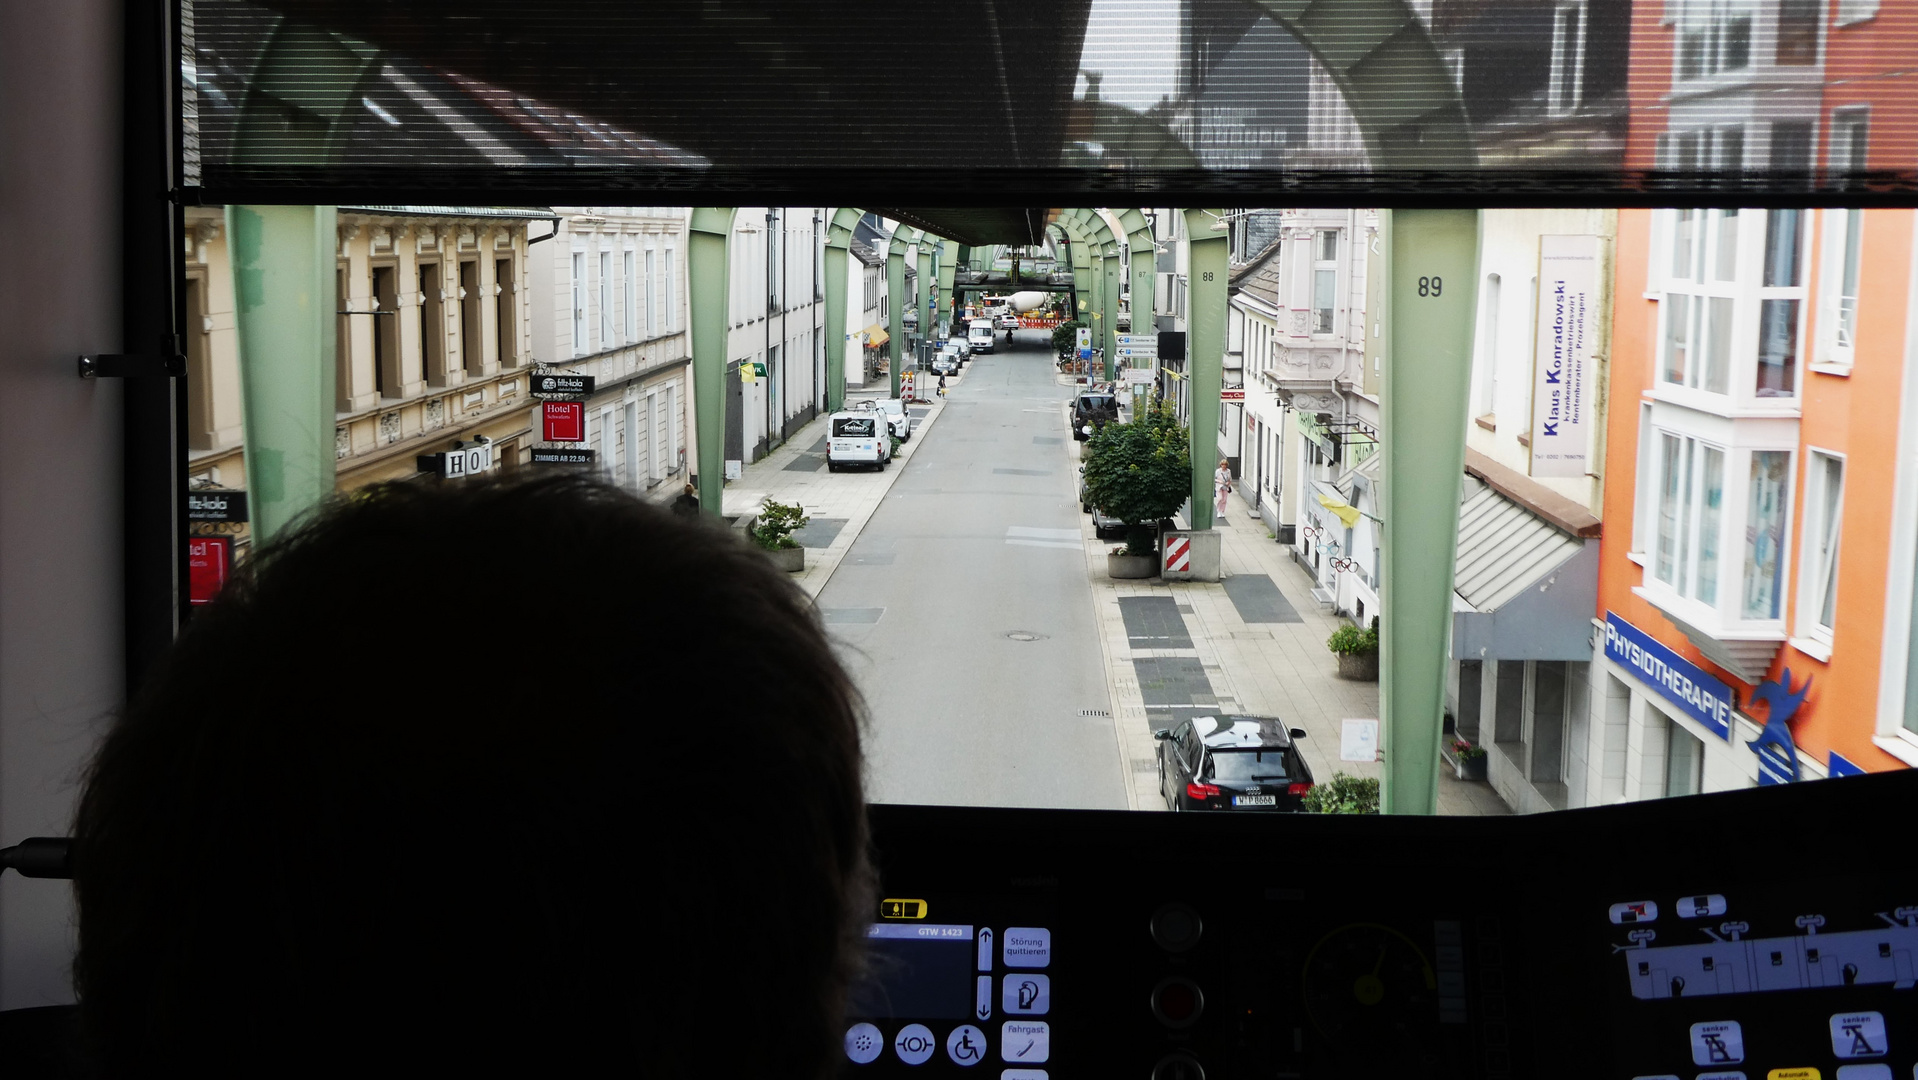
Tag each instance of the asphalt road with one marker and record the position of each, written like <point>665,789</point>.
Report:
<point>964,613</point>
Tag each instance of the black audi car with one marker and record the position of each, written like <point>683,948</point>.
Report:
<point>1232,763</point>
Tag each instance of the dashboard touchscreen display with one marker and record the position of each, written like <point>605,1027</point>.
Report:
<point>921,971</point>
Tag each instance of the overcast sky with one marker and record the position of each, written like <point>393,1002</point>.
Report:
<point>1134,44</point>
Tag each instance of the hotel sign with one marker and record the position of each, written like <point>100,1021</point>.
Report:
<point>1568,317</point>
<point>1676,679</point>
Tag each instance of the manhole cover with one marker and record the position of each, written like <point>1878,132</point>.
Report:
<point>1026,635</point>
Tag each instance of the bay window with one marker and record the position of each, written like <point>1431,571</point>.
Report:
<point>1325,276</point>
<point>1733,296</point>
<point>1717,503</point>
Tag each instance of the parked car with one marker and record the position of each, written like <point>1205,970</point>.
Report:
<point>1232,763</point>
<point>1092,411</point>
<point>856,438</point>
<point>896,417</point>
<point>944,364</point>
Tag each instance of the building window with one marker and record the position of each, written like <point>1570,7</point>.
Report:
<point>1850,132</point>
<point>1691,500</point>
<point>1684,761</point>
<point>652,295</point>
<point>631,295</point>
<point>472,354</point>
<point>1838,289</point>
<point>507,293</point>
<point>432,325</point>
<point>605,299</point>
<point>579,303</point>
<point>1818,550</point>
<point>1714,36</point>
<point>1790,146</point>
<point>1325,278</point>
<point>670,301</point>
<point>1728,147</point>
<point>1568,57</point>
<point>1733,295</point>
<point>1642,530</point>
<point>1852,11</point>
<point>1797,33</point>
<point>1765,536</point>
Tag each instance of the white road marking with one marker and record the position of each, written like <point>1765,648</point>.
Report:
<point>1042,543</point>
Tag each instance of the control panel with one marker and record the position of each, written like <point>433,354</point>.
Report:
<point>1676,939</point>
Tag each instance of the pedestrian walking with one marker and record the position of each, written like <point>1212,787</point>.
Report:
<point>942,386</point>
<point>1222,484</point>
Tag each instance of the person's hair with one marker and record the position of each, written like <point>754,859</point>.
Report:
<point>481,776</point>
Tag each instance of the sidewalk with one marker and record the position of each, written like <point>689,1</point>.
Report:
<point>1256,645</point>
<point>839,503</point>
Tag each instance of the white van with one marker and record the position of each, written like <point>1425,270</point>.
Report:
<point>980,336</point>
<point>859,438</point>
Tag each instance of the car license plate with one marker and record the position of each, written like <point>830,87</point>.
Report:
<point>1255,800</point>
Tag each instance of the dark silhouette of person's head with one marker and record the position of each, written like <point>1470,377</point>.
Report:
<point>481,777</point>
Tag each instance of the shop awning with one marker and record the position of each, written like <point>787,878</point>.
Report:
<point>1526,589</point>
<point>876,335</point>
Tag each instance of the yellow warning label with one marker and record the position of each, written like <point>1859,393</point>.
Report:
<point>902,909</point>
<point>1792,1074</point>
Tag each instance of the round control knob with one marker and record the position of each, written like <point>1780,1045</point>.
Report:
<point>1178,1067</point>
<point>1177,928</point>
<point>1178,1002</point>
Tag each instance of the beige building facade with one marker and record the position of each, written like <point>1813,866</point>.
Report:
<point>434,344</point>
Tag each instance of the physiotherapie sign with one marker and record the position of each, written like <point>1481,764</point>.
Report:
<point>1567,318</point>
<point>1676,679</point>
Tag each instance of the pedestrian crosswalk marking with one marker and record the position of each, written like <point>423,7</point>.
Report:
<point>1018,541</point>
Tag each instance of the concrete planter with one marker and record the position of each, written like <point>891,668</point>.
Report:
<point>1472,768</point>
<point>1127,567</point>
<point>1359,667</point>
<point>792,559</point>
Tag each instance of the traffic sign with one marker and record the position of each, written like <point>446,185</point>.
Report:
<point>545,386</point>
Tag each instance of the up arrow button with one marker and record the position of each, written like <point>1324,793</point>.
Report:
<point>985,950</point>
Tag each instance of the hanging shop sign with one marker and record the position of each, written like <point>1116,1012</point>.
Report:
<point>562,386</point>
<point>207,560</point>
<point>1567,318</point>
<point>460,461</point>
<point>563,421</point>
<point>1676,679</point>
<point>1232,395</point>
<point>1777,751</point>
<point>208,505</point>
<point>562,455</point>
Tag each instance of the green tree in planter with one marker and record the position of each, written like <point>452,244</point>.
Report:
<point>776,523</point>
<point>1139,473</point>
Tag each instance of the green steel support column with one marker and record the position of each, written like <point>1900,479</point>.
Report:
<point>902,238</point>
<point>1205,352</point>
<point>285,287</point>
<point>706,272</point>
<point>1143,248</point>
<point>927,316</point>
<point>1086,247</point>
<point>1432,260</point>
<point>948,268</point>
<point>838,237</point>
<point>1109,293</point>
<point>1081,267</point>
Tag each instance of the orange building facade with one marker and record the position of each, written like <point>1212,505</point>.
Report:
<point>1762,397</point>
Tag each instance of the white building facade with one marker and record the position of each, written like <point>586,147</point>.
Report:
<point>610,301</point>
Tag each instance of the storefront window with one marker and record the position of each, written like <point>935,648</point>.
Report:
<point>1684,761</point>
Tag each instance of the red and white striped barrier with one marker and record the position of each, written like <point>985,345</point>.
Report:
<point>1178,553</point>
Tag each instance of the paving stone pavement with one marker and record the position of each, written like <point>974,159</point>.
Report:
<point>1276,666</point>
